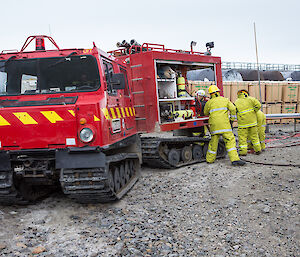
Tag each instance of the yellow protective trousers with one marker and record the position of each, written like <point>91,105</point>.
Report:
<point>251,133</point>
<point>230,144</point>
<point>262,136</point>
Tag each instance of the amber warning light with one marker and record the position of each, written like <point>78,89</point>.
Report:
<point>39,43</point>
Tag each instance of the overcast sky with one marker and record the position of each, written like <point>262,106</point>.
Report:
<point>77,23</point>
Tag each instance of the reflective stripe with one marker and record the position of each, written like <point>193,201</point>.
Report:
<point>243,146</point>
<point>234,116</point>
<point>212,152</point>
<point>221,131</point>
<point>248,125</point>
<point>258,143</point>
<point>248,141</point>
<point>231,149</point>
<point>248,110</point>
<point>263,125</point>
<point>262,141</point>
<point>218,109</point>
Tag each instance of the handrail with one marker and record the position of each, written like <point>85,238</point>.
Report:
<point>151,47</point>
<point>283,116</point>
<point>31,38</point>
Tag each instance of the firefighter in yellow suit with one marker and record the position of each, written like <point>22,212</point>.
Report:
<point>217,108</point>
<point>247,107</point>
<point>261,129</point>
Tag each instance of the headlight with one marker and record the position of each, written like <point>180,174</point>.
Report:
<point>86,135</point>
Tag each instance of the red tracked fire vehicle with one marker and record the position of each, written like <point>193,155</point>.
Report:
<point>73,118</point>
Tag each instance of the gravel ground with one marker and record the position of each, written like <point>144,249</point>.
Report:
<point>201,210</point>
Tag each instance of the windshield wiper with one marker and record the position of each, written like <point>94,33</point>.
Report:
<point>61,61</point>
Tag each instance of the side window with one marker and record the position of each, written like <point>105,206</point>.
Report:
<point>3,82</point>
<point>126,90</point>
<point>108,71</point>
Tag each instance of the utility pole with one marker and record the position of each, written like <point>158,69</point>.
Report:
<point>258,74</point>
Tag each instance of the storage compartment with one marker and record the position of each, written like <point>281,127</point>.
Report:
<point>176,102</point>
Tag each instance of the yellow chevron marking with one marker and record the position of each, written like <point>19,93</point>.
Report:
<point>96,118</point>
<point>3,122</point>
<point>118,113</point>
<point>113,115</point>
<point>133,111</point>
<point>131,114</point>
<point>127,113</point>
<point>123,113</point>
<point>25,118</point>
<point>72,112</point>
<point>52,116</point>
<point>106,114</point>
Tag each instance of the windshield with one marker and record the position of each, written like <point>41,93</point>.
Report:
<point>49,75</point>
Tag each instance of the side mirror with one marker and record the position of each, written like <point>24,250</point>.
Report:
<point>118,81</point>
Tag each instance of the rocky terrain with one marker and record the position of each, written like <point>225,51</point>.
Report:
<point>201,210</point>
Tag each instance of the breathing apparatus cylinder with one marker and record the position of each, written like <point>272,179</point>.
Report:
<point>184,114</point>
<point>181,87</point>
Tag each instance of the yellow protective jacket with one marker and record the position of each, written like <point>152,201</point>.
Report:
<point>217,108</point>
<point>246,108</point>
<point>261,118</point>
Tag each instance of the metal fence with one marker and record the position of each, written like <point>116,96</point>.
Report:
<point>262,66</point>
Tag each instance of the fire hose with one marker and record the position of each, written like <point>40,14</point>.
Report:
<point>295,143</point>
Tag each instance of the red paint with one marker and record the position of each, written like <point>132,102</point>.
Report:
<point>89,105</point>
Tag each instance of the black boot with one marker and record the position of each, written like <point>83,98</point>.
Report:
<point>238,163</point>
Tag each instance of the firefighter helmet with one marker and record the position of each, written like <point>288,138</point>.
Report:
<point>200,92</point>
<point>243,91</point>
<point>213,89</point>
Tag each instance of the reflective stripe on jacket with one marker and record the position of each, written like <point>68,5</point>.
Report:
<point>217,108</point>
<point>246,111</point>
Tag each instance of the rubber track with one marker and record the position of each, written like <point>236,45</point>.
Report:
<point>8,194</point>
<point>153,158</point>
<point>94,185</point>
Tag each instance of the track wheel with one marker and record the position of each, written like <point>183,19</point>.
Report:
<point>186,154</point>
<point>131,167</point>
<point>122,175</point>
<point>111,178</point>
<point>173,157</point>
<point>197,152</point>
<point>117,179</point>
<point>127,171</point>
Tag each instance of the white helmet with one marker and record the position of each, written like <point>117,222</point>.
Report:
<point>200,92</point>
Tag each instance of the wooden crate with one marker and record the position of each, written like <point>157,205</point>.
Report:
<point>288,108</point>
<point>235,87</point>
<point>227,89</point>
<point>290,92</point>
<point>194,86</point>
<point>273,109</point>
<point>273,91</point>
<point>254,90</point>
